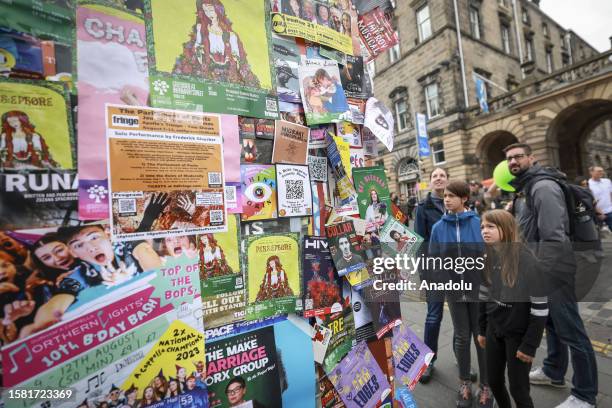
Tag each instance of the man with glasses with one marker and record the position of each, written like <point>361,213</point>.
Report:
<point>541,212</point>
<point>236,391</point>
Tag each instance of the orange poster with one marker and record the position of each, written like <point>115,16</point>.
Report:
<point>165,172</point>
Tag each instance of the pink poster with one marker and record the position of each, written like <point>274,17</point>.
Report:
<point>231,163</point>
<point>112,68</point>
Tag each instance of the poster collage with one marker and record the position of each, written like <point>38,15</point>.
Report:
<point>185,201</point>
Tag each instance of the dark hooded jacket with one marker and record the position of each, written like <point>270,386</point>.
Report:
<point>544,225</point>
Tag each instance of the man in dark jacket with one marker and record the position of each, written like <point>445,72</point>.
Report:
<point>544,222</point>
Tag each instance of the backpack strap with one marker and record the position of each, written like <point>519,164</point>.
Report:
<point>570,205</point>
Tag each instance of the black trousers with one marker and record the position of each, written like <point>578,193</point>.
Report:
<point>501,352</point>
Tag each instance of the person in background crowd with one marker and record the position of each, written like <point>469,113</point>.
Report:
<point>429,211</point>
<point>412,204</point>
<point>582,181</point>
<point>461,229</point>
<point>403,206</point>
<point>602,190</point>
<point>477,201</point>
<point>546,223</point>
<point>512,315</point>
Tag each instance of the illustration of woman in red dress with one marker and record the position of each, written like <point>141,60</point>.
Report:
<point>214,51</point>
<point>213,258</point>
<point>275,283</point>
<point>21,147</point>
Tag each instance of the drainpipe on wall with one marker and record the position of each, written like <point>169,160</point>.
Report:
<point>462,63</point>
<point>518,35</point>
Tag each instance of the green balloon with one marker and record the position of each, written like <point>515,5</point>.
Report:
<point>502,176</point>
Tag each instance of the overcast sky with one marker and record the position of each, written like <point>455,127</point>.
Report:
<point>590,19</point>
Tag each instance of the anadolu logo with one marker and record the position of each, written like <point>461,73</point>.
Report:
<point>278,23</point>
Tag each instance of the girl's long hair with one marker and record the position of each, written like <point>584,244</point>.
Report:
<point>508,249</point>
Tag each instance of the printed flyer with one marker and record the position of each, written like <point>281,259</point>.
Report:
<point>231,163</point>
<point>243,370</point>
<point>410,356</point>
<point>274,275</point>
<point>396,238</point>
<point>211,56</point>
<point>376,32</point>
<point>379,119</point>
<point>355,81</point>
<point>258,192</point>
<point>322,294</point>
<point>373,195</point>
<point>317,165</point>
<point>221,276</point>
<point>115,306</point>
<point>111,68</point>
<point>165,172</point>
<point>350,133</point>
<point>320,209</point>
<point>255,149</point>
<point>338,154</point>
<point>322,93</point>
<point>359,379</point>
<point>294,193</point>
<point>342,325</point>
<point>320,340</point>
<point>345,248</point>
<point>357,157</point>
<point>304,23</point>
<point>286,55</point>
<point>290,143</point>
<point>329,397</point>
<point>38,180</point>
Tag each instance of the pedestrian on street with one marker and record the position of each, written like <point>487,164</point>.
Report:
<point>602,190</point>
<point>454,236</point>
<point>477,201</point>
<point>512,313</point>
<point>541,212</point>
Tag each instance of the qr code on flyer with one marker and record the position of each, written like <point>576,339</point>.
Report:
<point>126,206</point>
<point>318,168</point>
<point>295,189</point>
<point>216,216</point>
<point>214,179</point>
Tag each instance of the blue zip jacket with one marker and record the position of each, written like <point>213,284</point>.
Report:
<point>461,228</point>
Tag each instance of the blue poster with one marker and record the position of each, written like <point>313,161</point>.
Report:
<point>421,127</point>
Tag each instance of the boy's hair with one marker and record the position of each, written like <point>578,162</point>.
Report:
<point>65,234</point>
<point>459,188</point>
<point>526,148</point>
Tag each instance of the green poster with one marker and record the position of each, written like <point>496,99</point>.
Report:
<point>211,56</point>
<point>373,196</point>
<point>47,20</point>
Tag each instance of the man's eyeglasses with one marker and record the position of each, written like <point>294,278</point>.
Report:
<point>233,391</point>
<point>516,157</point>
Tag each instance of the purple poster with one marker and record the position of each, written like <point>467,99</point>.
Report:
<point>410,356</point>
<point>359,380</point>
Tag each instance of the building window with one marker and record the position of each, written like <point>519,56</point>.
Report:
<point>424,23</point>
<point>529,49</point>
<point>401,113</point>
<point>394,52</point>
<point>432,100</point>
<point>437,152</point>
<point>524,16</point>
<point>503,3</point>
<point>562,40</point>
<point>475,22</point>
<point>545,30</point>
<point>505,36</point>
<point>549,61</point>
<point>565,59</point>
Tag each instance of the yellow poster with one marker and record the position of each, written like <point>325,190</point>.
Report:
<point>273,274</point>
<point>174,367</point>
<point>36,130</point>
<point>165,172</point>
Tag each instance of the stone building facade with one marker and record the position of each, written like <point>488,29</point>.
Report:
<point>423,74</point>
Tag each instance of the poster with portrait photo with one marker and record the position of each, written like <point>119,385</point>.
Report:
<point>38,178</point>
<point>286,54</point>
<point>322,93</point>
<point>397,238</point>
<point>355,80</point>
<point>345,248</point>
<point>294,191</point>
<point>379,119</point>
<point>373,197</point>
<point>274,274</point>
<point>211,56</point>
<point>243,370</point>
